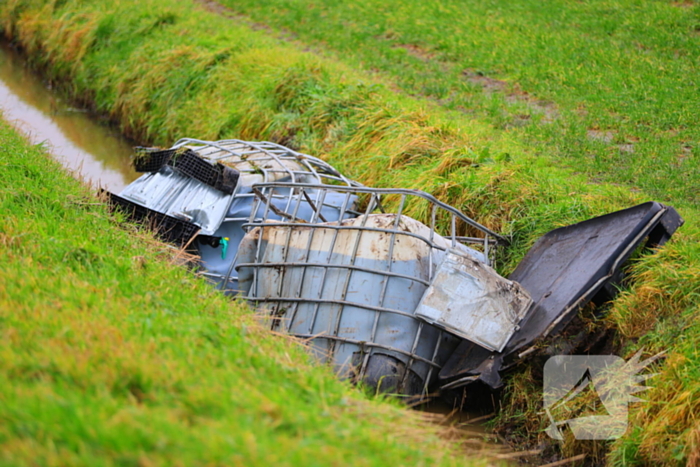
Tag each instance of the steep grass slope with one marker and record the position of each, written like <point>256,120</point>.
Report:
<point>164,69</point>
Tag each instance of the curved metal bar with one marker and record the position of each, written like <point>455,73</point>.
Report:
<point>370,344</point>
<point>331,302</point>
<point>392,191</point>
<point>341,227</point>
<point>275,152</point>
<point>336,266</point>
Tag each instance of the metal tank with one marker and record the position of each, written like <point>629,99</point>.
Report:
<point>351,287</point>
<point>381,296</point>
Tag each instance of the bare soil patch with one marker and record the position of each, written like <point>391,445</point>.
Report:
<point>417,51</point>
<point>514,94</point>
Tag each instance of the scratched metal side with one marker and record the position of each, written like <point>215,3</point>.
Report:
<point>351,296</point>
<point>219,264</point>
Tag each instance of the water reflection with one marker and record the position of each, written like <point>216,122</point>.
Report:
<point>98,153</point>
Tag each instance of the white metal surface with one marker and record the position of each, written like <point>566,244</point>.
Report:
<point>468,298</point>
<point>168,192</point>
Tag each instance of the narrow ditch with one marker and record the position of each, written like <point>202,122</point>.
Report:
<point>85,146</point>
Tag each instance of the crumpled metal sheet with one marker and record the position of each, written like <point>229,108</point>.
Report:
<point>471,300</point>
<point>185,198</point>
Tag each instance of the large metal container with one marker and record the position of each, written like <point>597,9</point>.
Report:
<point>325,259</point>
<point>351,287</point>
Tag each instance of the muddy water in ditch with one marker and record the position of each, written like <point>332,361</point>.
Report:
<point>99,154</point>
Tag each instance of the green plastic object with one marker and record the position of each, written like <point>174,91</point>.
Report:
<point>224,246</point>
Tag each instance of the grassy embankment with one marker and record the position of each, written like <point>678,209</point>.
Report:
<point>616,79</point>
<point>165,69</point>
<point>113,355</point>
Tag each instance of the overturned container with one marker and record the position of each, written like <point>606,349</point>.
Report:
<point>351,287</point>
<point>322,257</point>
<point>401,306</point>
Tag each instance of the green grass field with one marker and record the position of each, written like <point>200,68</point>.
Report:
<point>526,116</point>
<point>597,84</point>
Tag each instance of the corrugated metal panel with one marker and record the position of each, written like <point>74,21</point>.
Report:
<point>170,193</point>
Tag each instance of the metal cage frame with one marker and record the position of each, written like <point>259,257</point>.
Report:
<point>269,196</point>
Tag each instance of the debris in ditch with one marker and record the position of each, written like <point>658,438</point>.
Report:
<point>563,271</point>
<point>402,306</point>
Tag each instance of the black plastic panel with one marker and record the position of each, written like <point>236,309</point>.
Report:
<point>190,164</point>
<point>168,228</point>
<point>566,269</point>
<point>151,161</point>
